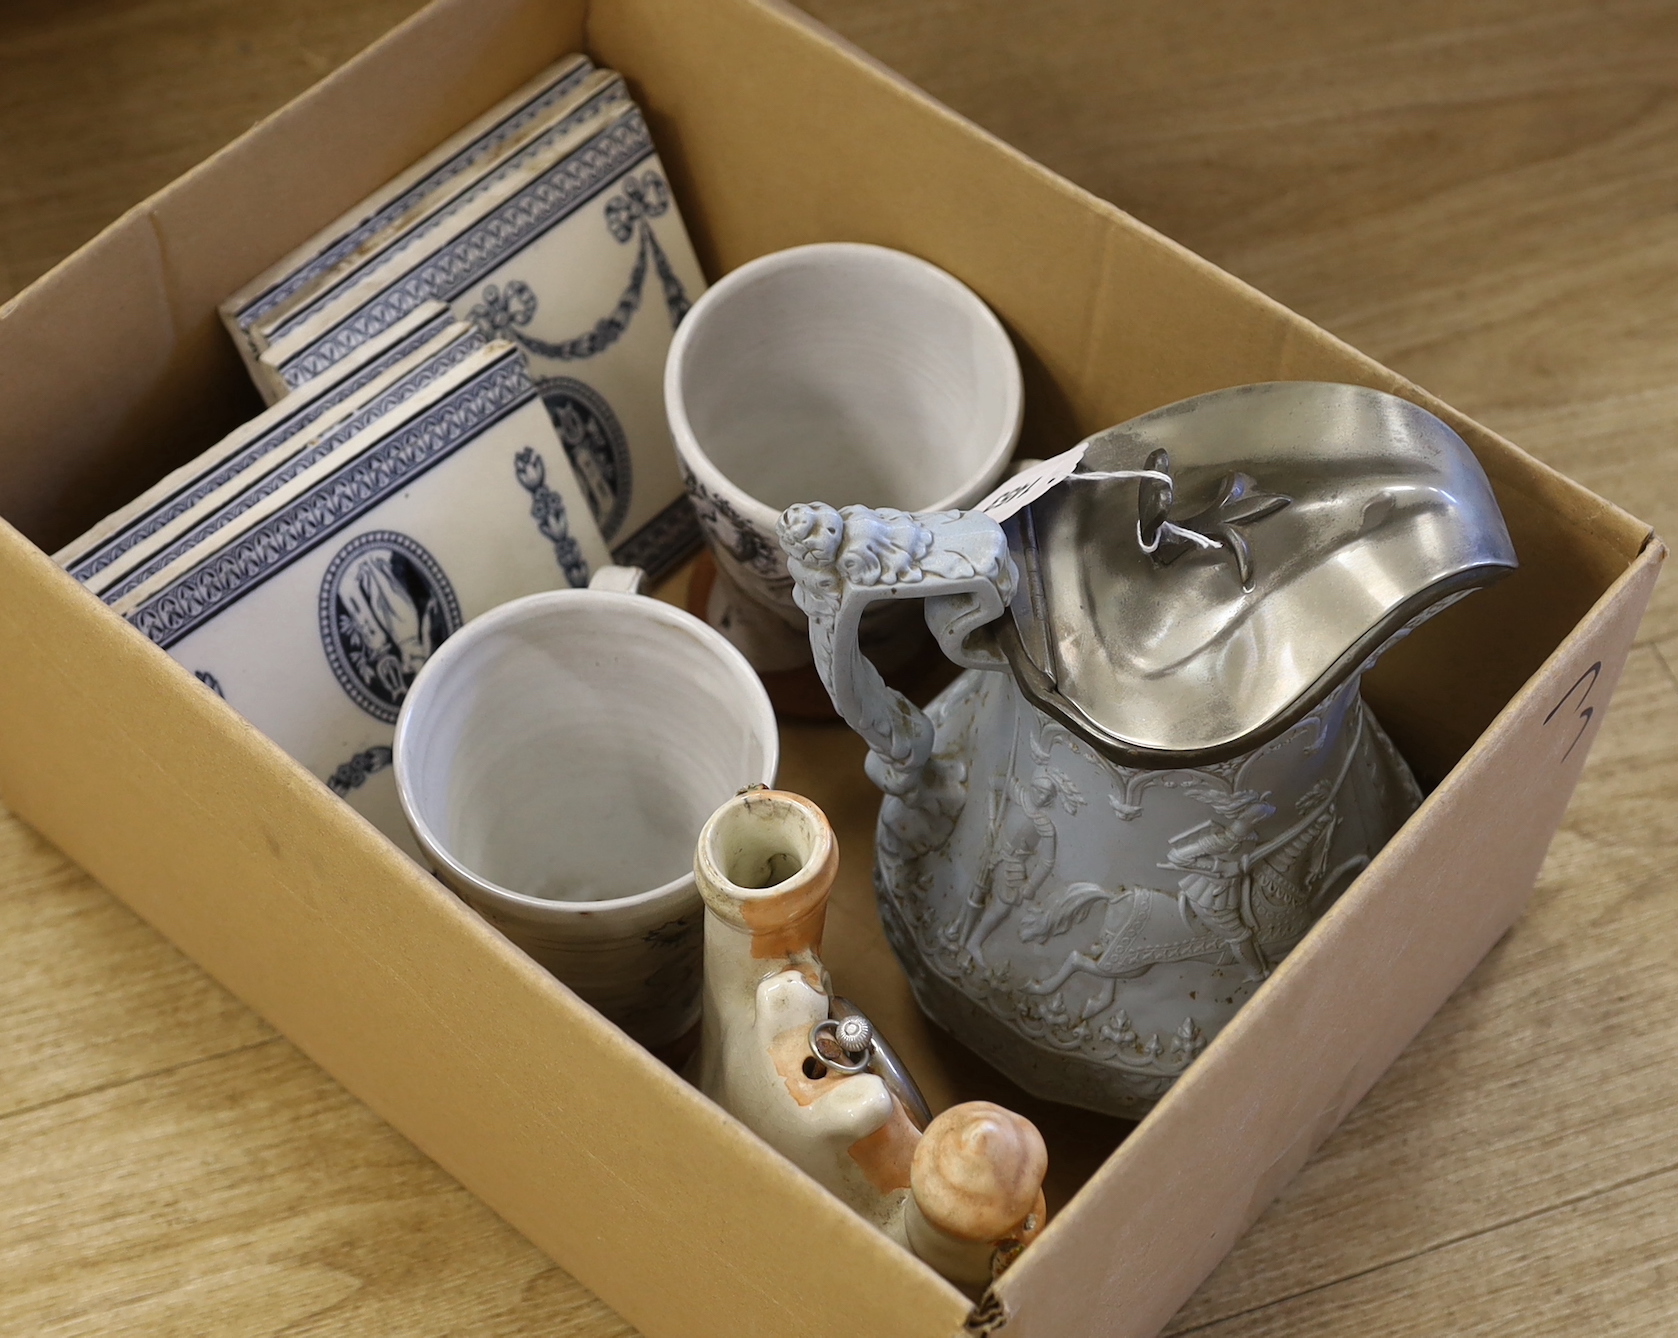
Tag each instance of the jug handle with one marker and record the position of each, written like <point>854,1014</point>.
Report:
<point>841,561</point>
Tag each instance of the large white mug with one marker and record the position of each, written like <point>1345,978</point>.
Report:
<point>557,758</point>
<point>849,372</point>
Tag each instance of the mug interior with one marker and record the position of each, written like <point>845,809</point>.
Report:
<point>573,746</point>
<point>849,373</point>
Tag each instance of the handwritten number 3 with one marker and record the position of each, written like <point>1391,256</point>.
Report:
<point>1587,681</point>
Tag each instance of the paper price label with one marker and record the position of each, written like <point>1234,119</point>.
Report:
<point>1030,484</point>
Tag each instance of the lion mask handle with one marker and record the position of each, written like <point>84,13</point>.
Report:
<point>843,560</point>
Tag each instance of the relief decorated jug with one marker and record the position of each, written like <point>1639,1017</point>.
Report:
<point>1158,770</point>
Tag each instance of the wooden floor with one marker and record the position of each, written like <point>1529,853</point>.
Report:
<point>1482,193</point>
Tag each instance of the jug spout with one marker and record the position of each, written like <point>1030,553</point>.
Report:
<point>765,864</point>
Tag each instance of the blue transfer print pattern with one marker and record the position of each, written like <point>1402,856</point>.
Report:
<point>472,257</point>
<point>228,574</point>
<point>413,198</point>
<point>433,370</point>
<point>591,110</point>
<point>352,775</point>
<point>385,605</point>
<point>547,509</point>
<point>172,508</point>
<point>664,542</point>
<point>503,313</point>
<point>595,444</point>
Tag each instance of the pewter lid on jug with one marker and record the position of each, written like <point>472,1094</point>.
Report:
<point>1284,534</point>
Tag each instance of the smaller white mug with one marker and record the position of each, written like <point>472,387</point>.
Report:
<point>557,758</point>
<point>842,371</point>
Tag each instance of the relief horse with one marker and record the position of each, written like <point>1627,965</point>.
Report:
<point>1142,927</point>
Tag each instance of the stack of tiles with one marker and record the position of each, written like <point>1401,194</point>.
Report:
<point>547,222</point>
<point>464,409</point>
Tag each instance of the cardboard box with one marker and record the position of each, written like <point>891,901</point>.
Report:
<point>113,368</point>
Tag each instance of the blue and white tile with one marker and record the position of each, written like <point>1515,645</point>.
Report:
<point>312,616</point>
<point>349,284</point>
<point>409,194</point>
<point>588,268</point>
<point>248,479</point>
<point>253,441</point>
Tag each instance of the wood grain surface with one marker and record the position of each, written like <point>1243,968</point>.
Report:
<point>1482,193</point>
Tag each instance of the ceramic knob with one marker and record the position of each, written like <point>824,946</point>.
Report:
<point>977,1173</point>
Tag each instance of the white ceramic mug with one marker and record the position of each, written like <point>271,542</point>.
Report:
<point>557,758</point>
<point>843,371</point>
